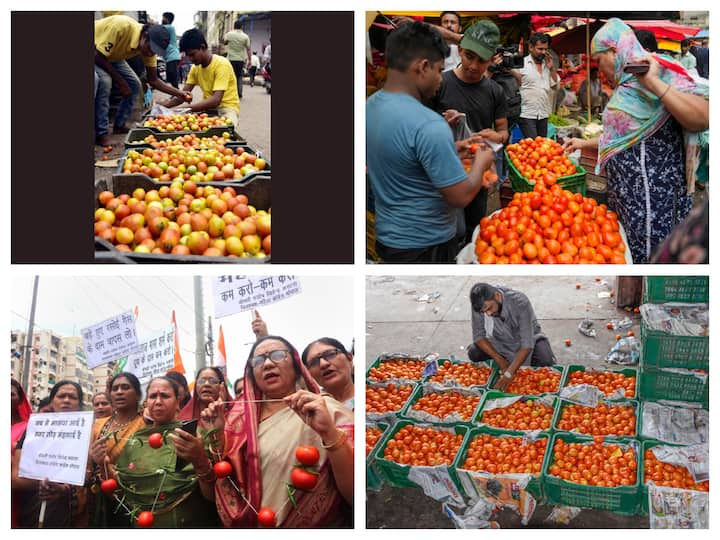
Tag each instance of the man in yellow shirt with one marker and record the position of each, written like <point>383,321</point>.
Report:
<point>214,75</point>
<point>118,38</point>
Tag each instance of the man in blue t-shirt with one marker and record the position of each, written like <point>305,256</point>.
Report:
<point>415,172</point>
<point>172,53</point>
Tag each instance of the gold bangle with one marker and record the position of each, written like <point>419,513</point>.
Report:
<point>665,92</point>
<point>337,444</point>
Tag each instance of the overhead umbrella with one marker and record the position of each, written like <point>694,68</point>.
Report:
<point>705,32</point>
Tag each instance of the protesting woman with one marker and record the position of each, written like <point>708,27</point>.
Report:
<point>650,162</point>
<point>19,413</point>
<point>101,405</point>
<point>108,439</point>
<point>164,469</point>
<point>280,409</point>
<point>65,504</point>
<point>331,366</point>
<point>209,386</point>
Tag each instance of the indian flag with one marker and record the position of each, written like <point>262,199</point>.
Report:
<point>222,360</point>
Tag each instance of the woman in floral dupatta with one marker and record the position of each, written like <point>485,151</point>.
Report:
<point>649,160</point>
<point>280,409</point>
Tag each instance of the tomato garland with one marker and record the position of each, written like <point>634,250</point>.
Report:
<point>502,455</point>
<point>388,399</point>
<point>418,446</point>
<point>607,381</point>
<point>372,435</point>
<point>594,464</point>
<point>464,374</point>
<point>550,225</point>
<point>397,369</point>
<point>534,381</point>
<point>443,404</point>
<point>521,415</point>
<point>540,159</point>
<point>601,420</point>
<point>666,474</point>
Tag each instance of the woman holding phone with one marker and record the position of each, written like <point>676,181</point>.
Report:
<point>164,469</point>
<point>649,146</point>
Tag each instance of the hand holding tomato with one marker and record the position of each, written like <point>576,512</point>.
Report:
<point>575,143</point>
<point>98,450</point>
<point>503,382</point>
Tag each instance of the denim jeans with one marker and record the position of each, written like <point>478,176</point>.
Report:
<point>103,86</point>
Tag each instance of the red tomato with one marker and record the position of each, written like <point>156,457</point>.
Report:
<point>303,479</point>
<point>222,469</point>
<point>155,440</point>
<point>109,486</point>
<point>145,520</point>
<point>307,455</point>
<point>266,517</point>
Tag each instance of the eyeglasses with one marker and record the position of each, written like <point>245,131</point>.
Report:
<point>276,356</point>
<point>208,380</point>
<point>327,355</point>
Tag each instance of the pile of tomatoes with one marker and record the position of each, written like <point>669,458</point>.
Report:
<point>443,404</point>
<point>540,159</point>
<point>397,369</point>
<point>594,464</point>
<point>604,419</point>
<point>418,446</point>
<point>388,399</point>
<point>523,415</point>
<point>534,381</point>
<point>666,474</point>
<point>463,374</point>
<point>372,435</point>
<point>607,381</point>
<point>502,455</point>
<point>550,225</point>
<point>190,140</point>
<point>186,122</point>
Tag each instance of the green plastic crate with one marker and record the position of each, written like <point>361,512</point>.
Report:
<point>574,182</point>
<point>621,499</point>
<point>662,384</point>
<point>534,487</point>
<point>661,289</point>
<point>663,350</point>
<point>420,392</point>
<point>496,394</point>
<point>680,406</point>
<point>497,374</point>
<point>488,364</point>
<point>396,474</point>
<point>373,479</point>
<point>624,402</point>
<point>628,372</point>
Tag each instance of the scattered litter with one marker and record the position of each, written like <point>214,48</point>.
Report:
<point>428,298</point>
<point>436,310</point>
<point>625,352</point>
<point>385,279</point>
<point>106,162</point>
<point>621,324</point>
<point>586,328</point>
<point>603,295</point>
<point>562,515</point>
<point>476,517</point>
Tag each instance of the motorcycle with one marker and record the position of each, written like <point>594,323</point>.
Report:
<point>267,77</point>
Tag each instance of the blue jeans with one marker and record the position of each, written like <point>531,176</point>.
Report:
<point>103,86</point>
<point>532,127</point>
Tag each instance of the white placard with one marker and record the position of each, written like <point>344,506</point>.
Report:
<point>109,340</point>
<point>233,294</point>
<point>56,447</point>
<point>153,357</point>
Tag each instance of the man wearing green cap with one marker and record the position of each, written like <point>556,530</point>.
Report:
<point>414,169</point>
<point>469,90</point>
<point>536,78</point>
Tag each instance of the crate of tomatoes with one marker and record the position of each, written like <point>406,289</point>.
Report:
<point>675,384</point>
<point>614,384</point>
<point>410,445</point>
<point>516,413</point>
<point>451,372</point>
<point>434,403</point>
<point>374,432</point>
<point>507,457</point>
<point>607,418</point>
<point>533,381</point>
<point>592,472</point>
<point>397,366</point>
<point>385,400</point>
<point>665,465</point>
<point>541,159</point>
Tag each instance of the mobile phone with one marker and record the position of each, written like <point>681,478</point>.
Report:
<point>637,69</point>
<point>190,426</point>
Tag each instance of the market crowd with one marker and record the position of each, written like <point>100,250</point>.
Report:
<point>450,99</point>
<point>200,458</point>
